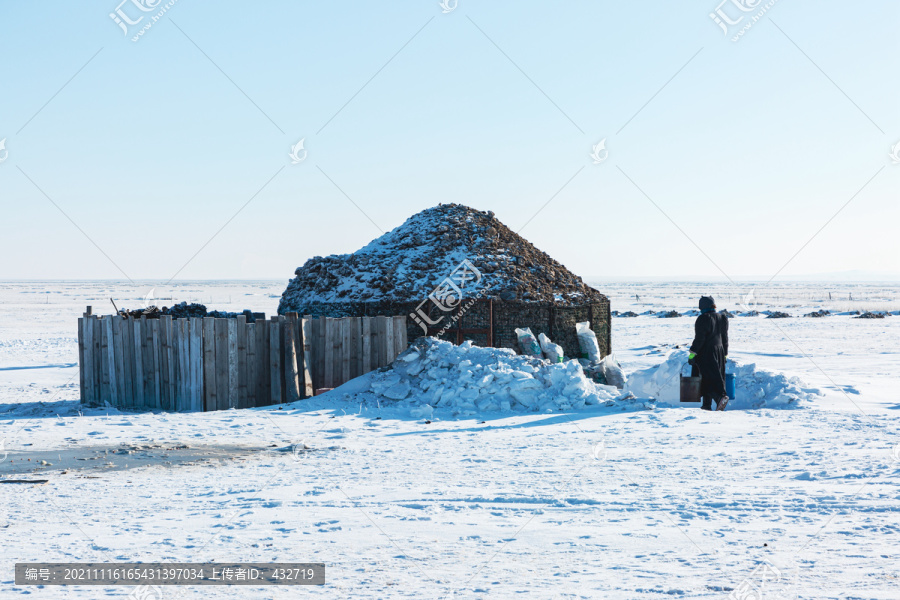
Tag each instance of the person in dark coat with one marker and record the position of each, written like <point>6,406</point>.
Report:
<point>708,354</point>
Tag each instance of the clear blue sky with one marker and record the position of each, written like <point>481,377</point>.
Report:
<point>154,145</point>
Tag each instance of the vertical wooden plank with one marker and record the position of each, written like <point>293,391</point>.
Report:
<point>291,375</point>
<point>264,389</point>
<point>399,324</point>
<point>276,375</point>
<point>355,347</point>
<point>317,352</point>
<point>378,354</point>
<point>177,366</point>
<point>169,324</point>
<point>119,349</point>
<point>105,351</point>
<point>147,363</point>
<point>128,359</point>
<point>88,363</point>
<point>232,363</point>
<point>210,395</point>
<point>98,388</point>
<point>306,337</point>
<point>81,359</point>
<point>366,344</point>
<point>182,373</point>
<point>388,341</point>
<point>242,360</point>
<point>162,353</point>
<point>330,328</point>
<point>196,350</point>
<point>138,384</point>
<point>222,389</point>
<point>252,368</point>
<point>298,346</point>
<point>345,350</point>
<point>154,344</point>
<point>162,335</point>
<point>187,369</point>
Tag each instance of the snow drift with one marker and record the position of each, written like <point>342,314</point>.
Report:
<point>754,387</point>
<point>433,373</point>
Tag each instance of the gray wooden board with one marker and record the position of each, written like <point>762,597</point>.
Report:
<point>306,343</point>
<point>81,358</point>
<point>241,355</point>
<point>345,350</point>
<point>366,344</point>
<point>197,383</point>
<point>105,395</point>
<point>263,397</point>
<point>90,393</point>
<point>276,377</point>
<point>137,334</point>
<point>233,367</point>
<point>210,396</point>
<point>222,358</point>
<point>119,346</point>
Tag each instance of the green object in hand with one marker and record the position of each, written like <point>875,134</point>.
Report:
<point>692,355</point>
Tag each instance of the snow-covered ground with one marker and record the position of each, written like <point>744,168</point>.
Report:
<point>629,500</point>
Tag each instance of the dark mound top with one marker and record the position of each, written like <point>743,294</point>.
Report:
<point>405,265</point>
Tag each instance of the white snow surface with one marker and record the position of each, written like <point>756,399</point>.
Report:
<point>598,502</point>
<point>469,379</point>
<point>754,387</point>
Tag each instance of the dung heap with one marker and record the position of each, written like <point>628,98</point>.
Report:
<point>405,265</point>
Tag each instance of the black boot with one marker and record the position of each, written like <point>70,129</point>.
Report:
<point>707,403</point>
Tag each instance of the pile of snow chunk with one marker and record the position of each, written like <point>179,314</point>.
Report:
<point>469,378</point>
<point>754,387</point>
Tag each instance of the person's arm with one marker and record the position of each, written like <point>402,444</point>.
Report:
<point>702,331</point>
<point>725,335</point>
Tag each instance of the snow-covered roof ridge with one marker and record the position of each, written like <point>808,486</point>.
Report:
<point>406,263</point>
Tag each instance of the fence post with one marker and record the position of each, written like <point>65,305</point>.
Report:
<point>233,366</point>
<point>119,359</point>
<point>399,326</point>
<point>127,333</point>
<point>222,358</point>
<point>156,353</point>
<point>137,336</point>
<point>196,367</point>
<point>264,391</point>
<point>388,340</point>
<point>291,383</point>
<point>319,344</point>
<point>345,350</point>
<point>355,346</point>
<point>88,364</point>
<point>328,372</point>
<point>366,344</point>
<point>107,375</point>
<point>251,366</point>
<point>276,376</point>
<point>81,389</point>
<point>306,343</point>
<point>210,387</point>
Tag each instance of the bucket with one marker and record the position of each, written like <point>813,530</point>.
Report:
<point>690,389</point>
<point>729,385</point>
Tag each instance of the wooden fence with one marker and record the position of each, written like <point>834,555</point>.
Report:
<point>203,364</point>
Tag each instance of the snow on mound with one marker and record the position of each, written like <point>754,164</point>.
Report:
<point>405,264</point>
<point>468,378</point>
<point>754,387</point>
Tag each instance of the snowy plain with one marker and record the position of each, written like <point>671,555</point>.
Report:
<point>635,500</point>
